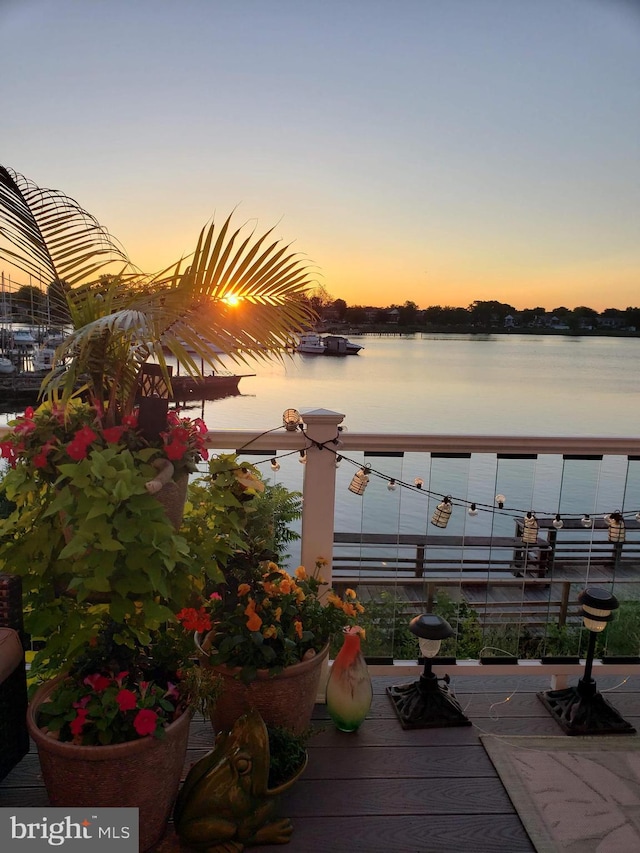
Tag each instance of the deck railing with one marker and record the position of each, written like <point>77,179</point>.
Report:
<point>544,579</point>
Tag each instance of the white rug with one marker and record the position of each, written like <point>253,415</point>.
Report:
<point>573,794</point>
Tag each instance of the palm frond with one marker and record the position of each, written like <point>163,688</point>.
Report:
<point>48,235</point>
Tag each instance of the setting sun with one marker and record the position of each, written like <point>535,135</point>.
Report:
<point>232,299</point>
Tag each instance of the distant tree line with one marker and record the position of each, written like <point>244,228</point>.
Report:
<point>482,315</point>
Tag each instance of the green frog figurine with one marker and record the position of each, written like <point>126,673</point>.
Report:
<point>225,804</point>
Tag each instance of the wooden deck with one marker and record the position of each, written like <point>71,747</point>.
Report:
<point>387,789</point>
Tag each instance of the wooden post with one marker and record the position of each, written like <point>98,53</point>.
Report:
<point>319,489</point>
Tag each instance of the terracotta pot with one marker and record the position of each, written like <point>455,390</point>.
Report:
<point>143,774</point>
<point>286,699</point>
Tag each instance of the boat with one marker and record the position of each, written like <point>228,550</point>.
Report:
<point>207,387</point>
<point>22,339</point>
<point>339,345</point>
<point>311,344</point>
<point>314,344</point>
<point>6,365</point>
<point>44,358</point>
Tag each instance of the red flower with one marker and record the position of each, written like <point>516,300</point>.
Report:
<point>79,721</point>
<point>97,682</point>
<point>175,450</point>
<point>194,620</point>
<point>112,435</point>
<point>126,700</point>
<point>145,722</point>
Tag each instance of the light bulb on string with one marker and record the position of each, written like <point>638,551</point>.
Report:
<point>338,460</point>
<point>500,500</point>
<point>586,520</point>
<point>275,465</point>
<point>473,510</point>
<point>557,522</point>
<point>391,485</point>
<point>638,516</point>
<point>418,482</point>
<point>302,459</point>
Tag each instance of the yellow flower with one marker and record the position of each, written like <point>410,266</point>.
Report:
<point>300,596</point>
<point>269,631</point>
<point>244,589</point>
<point>334,599</point>
<point>350,593</point>
<point>301,573</point>
<point>278,613</point>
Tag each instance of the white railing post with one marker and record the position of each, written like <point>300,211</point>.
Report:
<point>319,488</point>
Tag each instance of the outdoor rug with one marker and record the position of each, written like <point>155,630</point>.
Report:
<point>573,795</point>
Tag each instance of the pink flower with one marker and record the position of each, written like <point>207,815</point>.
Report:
<point>126,700</point>
<point>215,596</point>
<point>97,682</point>
<point>145,722</point>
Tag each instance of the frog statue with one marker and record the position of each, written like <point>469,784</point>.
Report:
<point>225,804</point>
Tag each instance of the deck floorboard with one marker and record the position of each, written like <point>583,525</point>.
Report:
<point>384,788</point>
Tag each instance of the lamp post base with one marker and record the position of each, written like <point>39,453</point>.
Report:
<point>426,704</point>
<point>582,710</point>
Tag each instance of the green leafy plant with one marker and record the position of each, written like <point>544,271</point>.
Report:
<point>287,753</point>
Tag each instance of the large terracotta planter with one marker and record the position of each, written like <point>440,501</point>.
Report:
<point>143,774</point>
<point>286,699</point>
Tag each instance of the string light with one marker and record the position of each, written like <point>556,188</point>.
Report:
<point>530,529</point>
<point>359,482</point>
<point>442,514</point>
<point>616,527</point>
<point>291,419</point>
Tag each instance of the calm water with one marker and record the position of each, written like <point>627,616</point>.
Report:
<point>507,384</point>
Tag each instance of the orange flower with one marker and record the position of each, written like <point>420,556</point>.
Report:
<point>285,586</point>
<point>350,593</point>
<point>254,622</point>
<point>244,589</point>
<point>298,628</point>
<point>278,613</point>
<point>301,573</point>
<point>269,631</point>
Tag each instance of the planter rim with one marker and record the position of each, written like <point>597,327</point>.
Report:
<point>290,671</point>
<point>284,786</point>
<point>90,752</point>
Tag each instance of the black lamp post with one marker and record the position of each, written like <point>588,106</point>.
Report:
<point>582,710</point>
<point>428,702</point>
<point>153,400</point>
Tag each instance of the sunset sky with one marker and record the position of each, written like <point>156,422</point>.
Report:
<point>440,151</point>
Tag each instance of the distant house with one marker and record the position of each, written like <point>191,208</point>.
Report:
<point>394,316</point>
<point>509,321</point>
